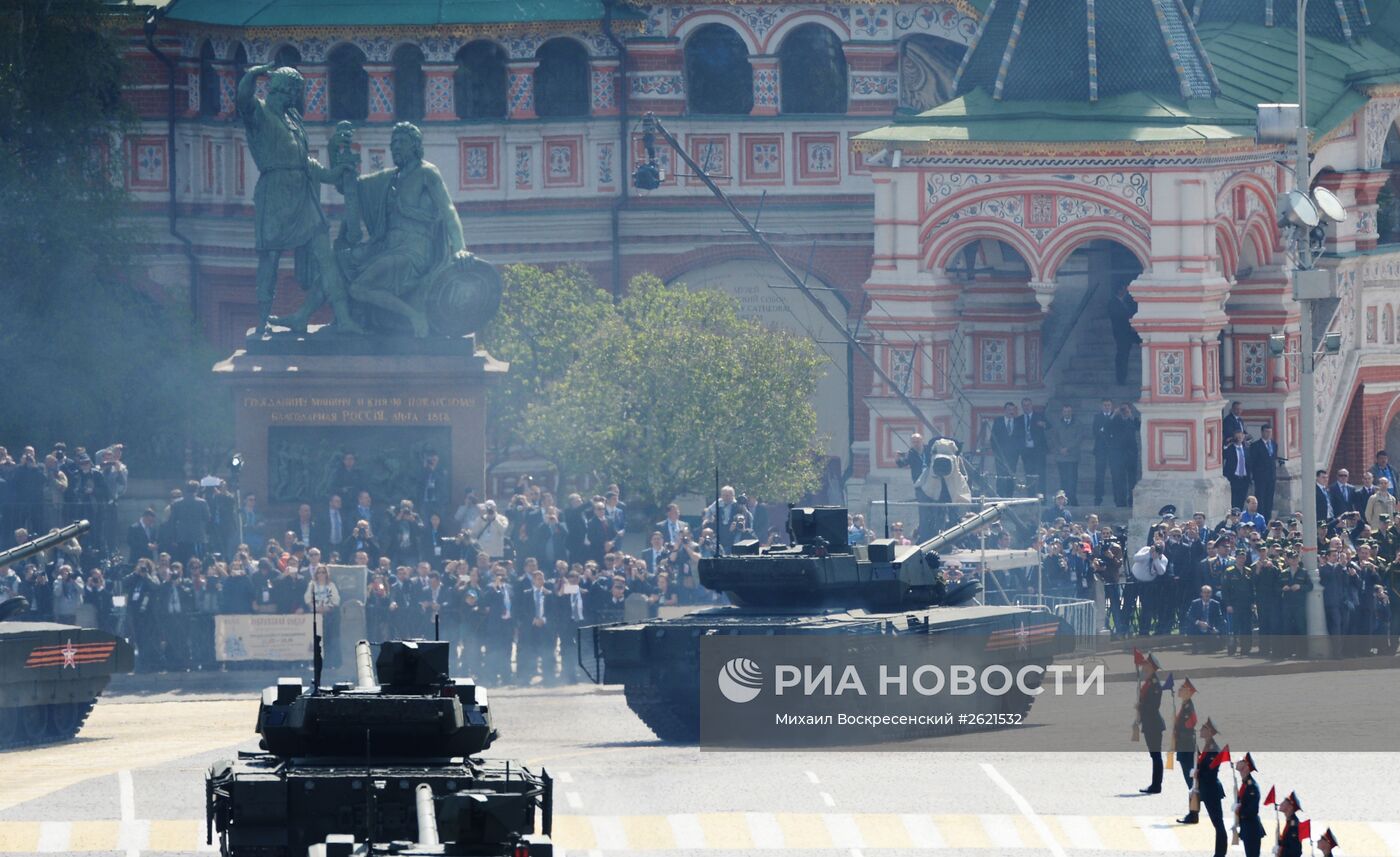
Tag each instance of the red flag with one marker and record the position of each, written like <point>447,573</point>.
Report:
<point>1138,658</point>
<point>1221,758</point>
<point>1305,830</point>
<point>1269,801</point>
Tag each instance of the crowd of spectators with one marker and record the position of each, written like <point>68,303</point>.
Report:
<point>509,582</point>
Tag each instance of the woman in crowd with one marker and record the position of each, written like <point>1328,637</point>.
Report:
<point>323,596</point>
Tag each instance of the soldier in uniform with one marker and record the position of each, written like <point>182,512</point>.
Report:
<point>1208,784</point>
<point>1390,577</point>
<point>1268,598</point>
<point>1247,823</point>
<point>1184,736</point>
<point>1239,602</point>
<point>1295,584</point>
<point>1326,842</point>
<point>1289,842</point>
<point>1149,718</point>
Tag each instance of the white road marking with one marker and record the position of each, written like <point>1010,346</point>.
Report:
<point>564,777</point>
<point>828,799</point>
<point>1159,834</point>
<point>764,830</point>
<point>687,831</point>
<point>574,800</point>
<point>53,836</point>
<point>923,832</point>
<point>843,831</point>
<point>133,835</point>
<point>608,833</point>
<point>1389,832</point>
<point>1024,806</point>
<point>812,777</point>
<point>1081,833</point>
<point>1001,830</point>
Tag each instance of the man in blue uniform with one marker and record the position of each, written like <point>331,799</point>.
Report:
<point>1251,829</point>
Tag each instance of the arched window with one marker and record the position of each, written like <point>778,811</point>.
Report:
<point>240,64</point>
<point>927,66</point>
<point>349,83</point>
<point>718,76</point>
<point>1389,325</point>
<point>408,83</point>
<point>208,81</point>
<point>561,81</point>
<point>812,69</point>
<point>1388,201</point>
<point>287,56</point>
<point>479,84</point>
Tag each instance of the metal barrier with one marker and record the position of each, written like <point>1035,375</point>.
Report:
<point>1081,614</point>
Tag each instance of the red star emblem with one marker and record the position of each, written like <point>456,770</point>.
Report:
<point>69,656</point>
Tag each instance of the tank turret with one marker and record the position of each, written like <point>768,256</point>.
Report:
<point>412,708</point>
<point>820,569</point>
<point>384,764</point>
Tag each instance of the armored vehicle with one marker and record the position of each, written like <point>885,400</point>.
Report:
<point>818,585</point>
<point>384,764</point>
<point>50,674</point>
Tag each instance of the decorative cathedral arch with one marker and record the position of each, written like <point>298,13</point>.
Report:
<point>408,82</point>
<point>561,80</point>
<point>779,35</point>
<point>943,255</point>
<point>1064,241</point>
<point>812,70</point>
<point>208,81</point>
<point>479,82</point>
<point>348,82</point>
<point>718,75</point>
<point>703,18</point>
<point>1228,248</point>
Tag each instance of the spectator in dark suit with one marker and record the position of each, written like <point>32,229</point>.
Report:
<point>404,538</point>
<point>1263,469</point>
<point>550,542</point>
<point>1342,493</point>
<point>1033,446</point>
<point>1121,310</point>
<point>1007,441</point>
<point>432,485</point>
<point>303,526</point>
<point>1236,470</point>
<point>1064,440</point>
<point>1103,447</point>
<point>1123,434</point>
<point>672,524</point>
<point>142,538</point>
<point>1383,468</point>
<point>1234,422</point>
<point>189,519</point>
<point>331,531</point>
<point>1323,498</point>
<point>599,533</point>
<point>1204,621</point>
<point>346,480</point>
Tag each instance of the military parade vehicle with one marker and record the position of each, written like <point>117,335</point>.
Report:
<point>50,674</point>
<point>385,764</point>
<point>818,585</point>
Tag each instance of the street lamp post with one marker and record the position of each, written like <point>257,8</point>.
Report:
<point>1309,285</point>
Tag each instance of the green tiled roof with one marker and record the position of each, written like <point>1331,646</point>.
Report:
<point>1254,65</point>
<point>1258,65</point>
<point>1336,20</point>
<point>330,13</point>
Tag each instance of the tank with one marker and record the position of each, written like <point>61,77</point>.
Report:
<point>50,674</point>
<point>387,763</point>
<point>819,585</point>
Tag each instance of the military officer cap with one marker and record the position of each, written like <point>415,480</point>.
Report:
<point>1152,659</point>
<point>1167,510</point>
<point>1291,552</point>
<point>1187,685</point>
<point>1293,798</point>
<point>1249,760</point>
<point>1209,724</point>
<point>1330,837</point>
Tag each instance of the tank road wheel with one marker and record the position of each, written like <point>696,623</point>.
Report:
<point>669,718</point>
<point>34,724</point>
<point>66,718</point>
<point>9,727</point>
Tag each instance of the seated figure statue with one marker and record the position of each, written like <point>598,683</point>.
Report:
<point>414,267</point>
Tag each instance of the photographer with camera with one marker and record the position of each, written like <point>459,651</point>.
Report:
<point>405,535</point>
<point>490,530</point>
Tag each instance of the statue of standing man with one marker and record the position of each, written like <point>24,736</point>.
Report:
<point>286,206</point>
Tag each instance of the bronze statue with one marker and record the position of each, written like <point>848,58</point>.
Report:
<point>414,268</point>
<point>286,209</point>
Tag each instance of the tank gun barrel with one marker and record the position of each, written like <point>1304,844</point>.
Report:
<point>427,816</point>
<point>364,667</point>
<point>34,547</point>
<point>938,541</point>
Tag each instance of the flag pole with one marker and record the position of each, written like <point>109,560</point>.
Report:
<point>1171,751</point>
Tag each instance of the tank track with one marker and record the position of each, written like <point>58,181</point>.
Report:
<point>667,718</point>
<point>50,724</point>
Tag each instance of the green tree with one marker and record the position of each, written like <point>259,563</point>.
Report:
<point>87,356</point>
<point>675,384</point>
<point>544,321</point>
